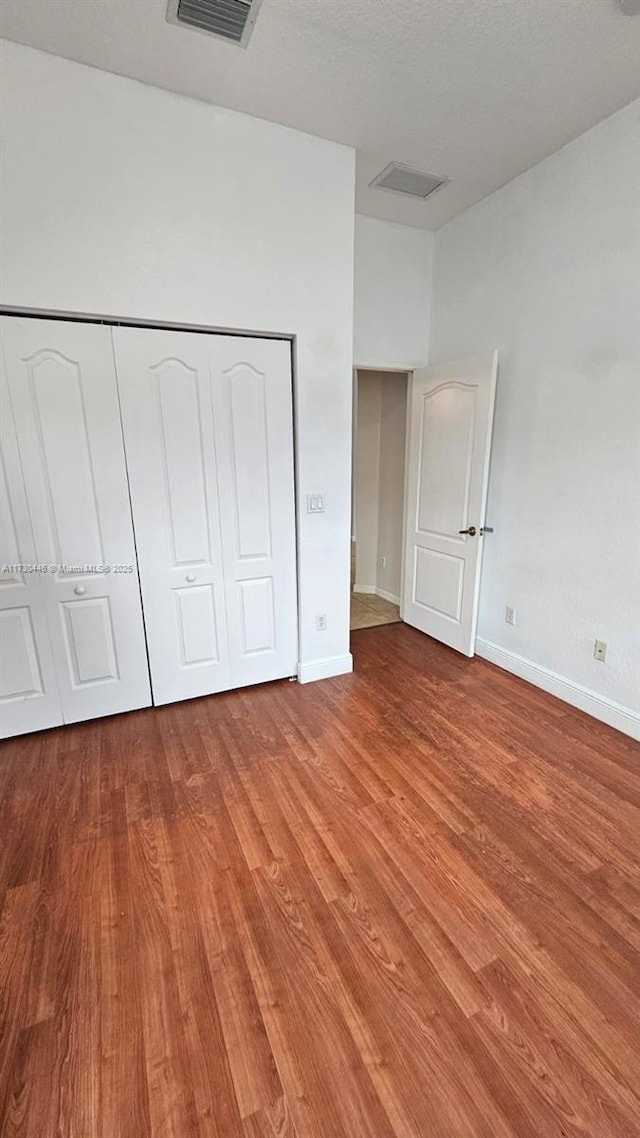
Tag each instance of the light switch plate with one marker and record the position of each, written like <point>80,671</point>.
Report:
<point>315,503</point>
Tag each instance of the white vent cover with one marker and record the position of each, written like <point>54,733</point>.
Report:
<point>404,180</point>
<point>231,20</point>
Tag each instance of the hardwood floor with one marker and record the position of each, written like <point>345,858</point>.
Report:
<point>400,903</point>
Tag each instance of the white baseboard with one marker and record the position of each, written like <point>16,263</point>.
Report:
<point>324,669</point>
<point>387,596</point>
<point>606,710</point>
<point>375,591</point>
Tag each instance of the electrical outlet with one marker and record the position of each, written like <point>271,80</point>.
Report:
<point>383,561</point>
<point>510,615</point>
<point>321,622</point>
<point>600,650</point>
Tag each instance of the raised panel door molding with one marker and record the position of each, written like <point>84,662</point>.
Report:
<point>64,398</point>
<point>250,460</point>
<point>20,674</point>
<point>253,416</point>
<point>446,452</point>
<point>438,582</point>
<point>196,621</point>
<point>450,419</point>
<point>29,696</point>
<point>183,461</point>
<point>65,458</point>
<point>209,438</point>
<point>165,395</point>
<point>258,615</point>
<point>91,642</point>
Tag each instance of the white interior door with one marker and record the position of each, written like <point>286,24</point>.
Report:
<point>65,404</point>
<point>29,697</point>
<point>164,379</point>
<point>209,438</point>
<point>450,419</point>
<point>253,417</point>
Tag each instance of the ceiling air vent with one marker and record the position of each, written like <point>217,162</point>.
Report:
<point>226,19</point>
<point>404,180</point>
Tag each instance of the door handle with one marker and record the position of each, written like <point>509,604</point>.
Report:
<point>80,590</point>
<point>472,531</point>
<point>190,577</point>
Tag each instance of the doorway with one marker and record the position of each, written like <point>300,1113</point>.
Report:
<point>422,443</point>
<point>379,417</point>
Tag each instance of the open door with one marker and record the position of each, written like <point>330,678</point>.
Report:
<point>449,419</point>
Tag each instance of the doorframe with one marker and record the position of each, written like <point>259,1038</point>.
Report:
<point>139,322</point>
<point>210,330</point>
<point>409,372</point>
<point>405,491</point>
<point>401,369</point>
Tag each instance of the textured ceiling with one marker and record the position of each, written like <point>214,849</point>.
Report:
<point>475,90</point>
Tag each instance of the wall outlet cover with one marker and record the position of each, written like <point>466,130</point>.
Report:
<point>600,650</point>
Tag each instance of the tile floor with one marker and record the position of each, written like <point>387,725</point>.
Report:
<point>367,611</point>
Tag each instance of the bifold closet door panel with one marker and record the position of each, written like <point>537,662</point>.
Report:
<point>164,379</point>
<point>64,396</point>
<point>253,416</point>
<point>29,697</point>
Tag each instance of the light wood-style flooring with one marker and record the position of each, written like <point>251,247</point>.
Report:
<point>399,904</point>
<point>369,611</point>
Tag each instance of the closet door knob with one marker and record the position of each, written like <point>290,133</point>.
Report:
<point>80,590</point>
<point>191,577</point>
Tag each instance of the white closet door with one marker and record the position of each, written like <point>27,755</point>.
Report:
<point>29,698</point>
<point>254,435</point>
<point>209,438</point>
<point>65,403</point>
<point>165,393</point>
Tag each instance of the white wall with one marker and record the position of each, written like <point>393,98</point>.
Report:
<point>392,294</point>
<point>367,481</point>
<point>547,270</point>
<point>379,480</point>
<point>393,426</point>
<point>121,199</point>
